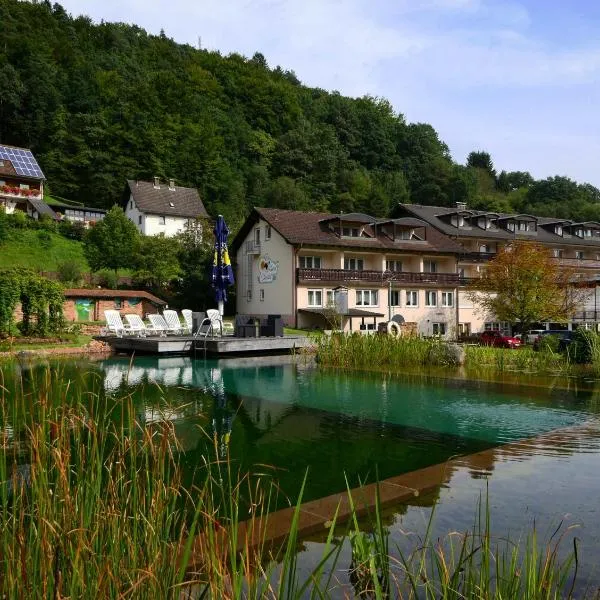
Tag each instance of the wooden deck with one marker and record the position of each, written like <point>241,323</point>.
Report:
<point>214,346</point>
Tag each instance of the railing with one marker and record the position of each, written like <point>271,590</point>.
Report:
<point>381,277</point>
<point>252,247</point>
<point>584,263</point>
<point>476,256</point>
<point>587,315</point>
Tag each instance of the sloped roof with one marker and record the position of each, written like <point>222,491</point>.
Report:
<point>102,293</point>
<point>42,207</point>
<point>308,228</point>
<point>162,200</point>
<point>20,162</point>
<point>436,216</point>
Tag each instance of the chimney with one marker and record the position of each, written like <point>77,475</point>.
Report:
<point>157,183</point>
<point>461,205</point>
<point>172,185</point>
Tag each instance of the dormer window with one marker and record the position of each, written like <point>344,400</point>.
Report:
<point>484,222</point>
<point>579,233</point>
<point>350,232</point>
<point>510,225</point>
<point>457,220</point>
<point>587,233</point>
<point>558,230</point>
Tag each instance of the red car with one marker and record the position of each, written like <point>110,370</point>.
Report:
<point>495,338</point>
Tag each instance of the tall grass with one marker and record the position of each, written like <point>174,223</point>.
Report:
<point>92,505</point>
<point>385,352</point>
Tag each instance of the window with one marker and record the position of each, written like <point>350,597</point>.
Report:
<point>510,226</point>
<point>131,204</point>
<point>257,236</point>
<point>484,248</point>
<point>522,226</point>
<point>406,234</point>
<point>261,295</point>
<point>139,219</point>
<point>315,298</point>
<point>457,221</point>
<point>484,223</point>
<point>393,265</point>
<point>118,303</point>
<point>557,253</point>
<point>430,266</point>
<point>350,232</point>
<point>353,264</point>
<point>395,298</point>
<point>579,254</point>
<point>24,186</point>
<point>330,298</point>
<point>310,262</point>
<point>249,295</point>
<point>464,329</point>
<point>496,326</point>
<point>162,220</point>
<point>587,233</point>
<point>439,328</point>
<point>367,298</point>
<point>267,232</point>
<point>447,299</point>
<point>558,230</point>
<point>430,298</point>
<point>461,273</point>
<point>412,298</point>
<point>579,233</point>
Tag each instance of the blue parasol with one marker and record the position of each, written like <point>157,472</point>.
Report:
<point>222,273</point>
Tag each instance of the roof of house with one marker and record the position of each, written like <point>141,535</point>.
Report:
<point>164,200</point>
<point>312,228</point>
<point>439,217</point>
<point>42,208</point>
<point>102,293</point>
<point>19,162</point>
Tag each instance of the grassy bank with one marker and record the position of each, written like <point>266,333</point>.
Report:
<point>27,249</point>
<point>386,352</point>
<point>92,505</point>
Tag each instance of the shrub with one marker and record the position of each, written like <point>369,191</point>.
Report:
<point>585,347</point>
<point>71,230</point>
<point>549,343</point>
<point>47,223</point>
<point>4,226</point>
<point>19,220</point>
<point>45,239</point>
<point>107,279</point>
<point>70,271</point>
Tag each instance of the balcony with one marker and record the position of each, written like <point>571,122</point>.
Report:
<point>378,277</point>
<point>7,191</point>
<point>477,257</point>
<point>579,263</point>
<point>252,247</point>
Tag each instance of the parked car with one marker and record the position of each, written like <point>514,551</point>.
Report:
<point>495,338</point>
<point>564,336</point>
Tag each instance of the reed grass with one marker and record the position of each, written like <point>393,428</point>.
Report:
<point>385,352</point>
<point>92,505</point>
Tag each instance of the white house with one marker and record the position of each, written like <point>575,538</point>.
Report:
<point>157,207</point>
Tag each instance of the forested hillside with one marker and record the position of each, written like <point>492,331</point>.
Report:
<point>102,103</point>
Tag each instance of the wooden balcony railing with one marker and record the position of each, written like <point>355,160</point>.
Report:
<point>476,256</point>
<point>380,277</point>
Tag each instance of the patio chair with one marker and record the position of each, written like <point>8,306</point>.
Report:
<point>172,319</point>
<point>136,325</point>
<point>187,317</point>
<point>114,323</point>
<point>211,324</point>
<point>157,324</point>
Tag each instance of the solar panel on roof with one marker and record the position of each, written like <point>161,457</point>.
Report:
<point>22,160</point>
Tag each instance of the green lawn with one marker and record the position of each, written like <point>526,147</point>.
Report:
<point>24,249</point>
<point>69,341</point>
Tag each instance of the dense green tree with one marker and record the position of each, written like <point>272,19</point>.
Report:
<point>100,103</point>
<point>156,261</point>
<point>112,243</point>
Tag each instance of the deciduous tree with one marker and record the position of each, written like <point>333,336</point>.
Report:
<point>523,285</point>
<point>112,243</point>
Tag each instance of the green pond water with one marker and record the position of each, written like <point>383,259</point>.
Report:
<point>294,417</point>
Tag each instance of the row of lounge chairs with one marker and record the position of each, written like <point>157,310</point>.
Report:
<point>168,323</point>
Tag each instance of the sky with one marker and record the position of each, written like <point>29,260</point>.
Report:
<point>520,80</point>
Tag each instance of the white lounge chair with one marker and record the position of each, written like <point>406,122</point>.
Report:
<point>136,325</point>
<point>157,324</point>
<point>187,317</point>
<point>212,324</point>
<point>114,323</point>
<point>172,319</point>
